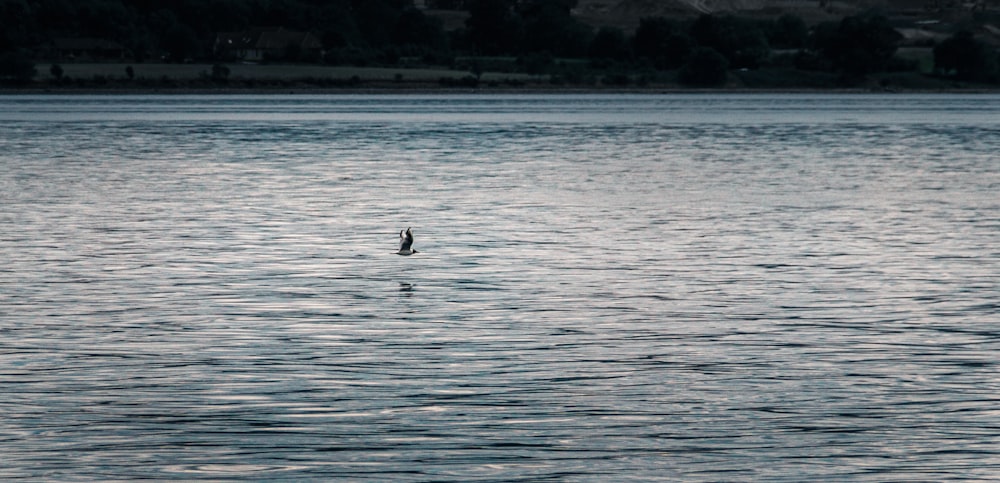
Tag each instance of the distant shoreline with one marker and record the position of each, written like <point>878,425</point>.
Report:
<point>470,91</point>
<point>244,79</point>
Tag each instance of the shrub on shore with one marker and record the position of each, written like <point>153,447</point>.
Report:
<point>17,67</point>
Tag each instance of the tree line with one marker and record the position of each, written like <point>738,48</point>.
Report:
<point>538,33</point>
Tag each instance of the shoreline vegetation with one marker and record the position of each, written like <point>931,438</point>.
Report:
<point>239,78</point>
<point>492,46</point>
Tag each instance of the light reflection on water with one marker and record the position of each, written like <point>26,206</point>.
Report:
<point>691,287</point>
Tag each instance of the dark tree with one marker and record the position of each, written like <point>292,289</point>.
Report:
<point>537,63</point>
<point>609,43</point>
<point>17,66</point>
<point>966,58</point>
<point>227,15</point>
<point>376,20</point>
<point>493,27</point>
<point>56,17</point>
<point>181,43</point>
<point>220,73</point>
<point>17,22</point>
<point>662,43</point>
<point>415,28</point>
<point>740,41</point>
<point>706,67</point>
<point>57,71</point>
<point>858,45</point>
<point>336,26</point>
<point>446,4</point>
<point>549,27</point>
<point>788,31</point>
<point>103,19</point>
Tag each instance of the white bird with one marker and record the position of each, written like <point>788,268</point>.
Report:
<point>405,243</point>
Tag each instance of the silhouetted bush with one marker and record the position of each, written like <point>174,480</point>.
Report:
<point>662,43</point>
<point>705,68</point>
<point>220,74</point>
<point>857,45</point>
<point>786,78</point>
<point>617,79</point>
<point>966,58</point>
<point>787,32</point>
<point>17,66</point>
<point>609,43</point>
<point>467,81</point>
<point>537,63</point>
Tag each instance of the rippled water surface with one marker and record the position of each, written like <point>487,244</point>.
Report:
<point>693,287</point>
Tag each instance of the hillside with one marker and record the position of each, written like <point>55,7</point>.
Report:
<point>917,20</point>
<point>625,14</point>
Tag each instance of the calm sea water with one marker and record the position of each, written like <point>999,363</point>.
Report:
<point>609,288</point>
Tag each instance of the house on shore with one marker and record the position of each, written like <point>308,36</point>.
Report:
<point>267,43</point>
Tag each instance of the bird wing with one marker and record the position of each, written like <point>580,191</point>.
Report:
<point>405,240</point>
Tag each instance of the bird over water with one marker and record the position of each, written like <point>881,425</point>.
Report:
<point>406,243</point>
